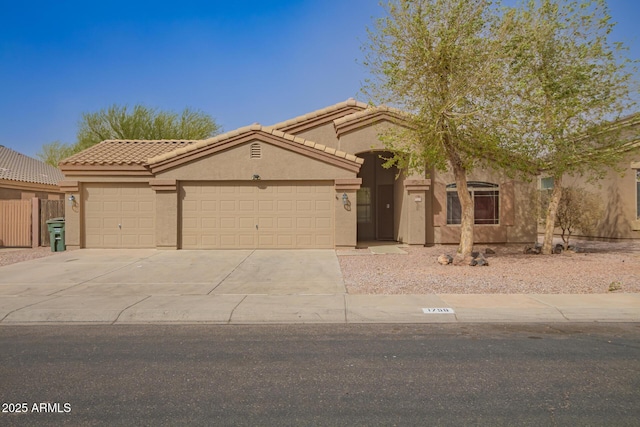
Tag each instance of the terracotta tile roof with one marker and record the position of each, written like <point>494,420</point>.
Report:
<point>319,114</point>
<point>368,117</point>
<point>247,129</point>
<point>119,152</point>
<point>370,111</point>
<point>18,167</point>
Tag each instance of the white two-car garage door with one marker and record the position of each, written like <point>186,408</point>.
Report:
<point>260,214</point>
<point>119,215</point>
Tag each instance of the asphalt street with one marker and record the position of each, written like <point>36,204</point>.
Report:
<point>296,375</point>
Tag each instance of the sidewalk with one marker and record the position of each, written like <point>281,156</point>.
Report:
<point>331,308</point>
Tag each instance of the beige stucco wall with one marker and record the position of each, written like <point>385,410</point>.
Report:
<point>618,195</point>
<point>167,214</point>
<point>517,210</point>
<point>345,219</point>
<point>323,134</point>
<point>363,139</point>
<point>72,221</point>
<point>275,164</point>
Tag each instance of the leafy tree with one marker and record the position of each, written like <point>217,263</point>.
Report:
<point>570,82</point>
<point>578,210</point>
<point>440,62</point>
<point>54,152</point>
<point>140,122</point>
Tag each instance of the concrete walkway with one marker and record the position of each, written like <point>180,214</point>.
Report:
<point>249,287</point>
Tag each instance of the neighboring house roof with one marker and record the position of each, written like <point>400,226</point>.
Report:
<point>319,117</point>
<point>15,166</point>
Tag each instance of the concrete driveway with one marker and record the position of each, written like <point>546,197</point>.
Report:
<point>151,272</point>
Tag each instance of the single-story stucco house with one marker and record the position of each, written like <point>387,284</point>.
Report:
<point>315,181</point>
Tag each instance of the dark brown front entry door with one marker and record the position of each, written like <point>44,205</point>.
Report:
<point>385,212</point>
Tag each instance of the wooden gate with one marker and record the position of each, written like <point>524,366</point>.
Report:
<point>15,223</point>
<point>49,209</point>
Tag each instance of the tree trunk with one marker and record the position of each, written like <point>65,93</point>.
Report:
<point>466,204</point>
<point>550,223</point>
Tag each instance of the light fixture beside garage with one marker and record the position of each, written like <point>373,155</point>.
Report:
<point>255,177</point>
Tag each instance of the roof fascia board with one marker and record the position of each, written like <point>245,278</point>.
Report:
<point>315,121</point>
<point>28,186</point>
<point>343,127</point>
<point>105,170</point>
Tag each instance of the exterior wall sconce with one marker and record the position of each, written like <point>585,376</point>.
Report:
<point>73,202</point>
<point>346,203</point>
<point>255,177</point>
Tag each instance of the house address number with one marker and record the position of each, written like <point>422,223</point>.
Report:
<point>444,310</point>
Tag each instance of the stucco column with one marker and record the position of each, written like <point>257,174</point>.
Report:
<point>416,202</point>
<point>346,222</point>
<point>166,213</point>
<point>72,210</point>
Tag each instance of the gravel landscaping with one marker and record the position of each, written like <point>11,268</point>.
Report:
<point>13,255</point>
<point>597,267</point>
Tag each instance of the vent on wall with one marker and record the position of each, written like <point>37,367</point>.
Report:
<point>256,151</point>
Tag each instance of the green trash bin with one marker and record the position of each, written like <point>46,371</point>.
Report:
<point>56,234</point>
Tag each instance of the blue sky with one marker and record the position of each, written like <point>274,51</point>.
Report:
<point>241,61</point>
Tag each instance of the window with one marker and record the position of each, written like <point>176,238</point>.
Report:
<point>546,183</point>
<point>486,203</point>
<point>363,197</point>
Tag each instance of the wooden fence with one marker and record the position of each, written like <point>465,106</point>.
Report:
<point>19,226</point>
<point>49,209</point>
<point>15,223</point>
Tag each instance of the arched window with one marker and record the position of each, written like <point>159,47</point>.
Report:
<point>486,203</point>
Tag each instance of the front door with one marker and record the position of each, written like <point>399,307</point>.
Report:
<point>385,212</point>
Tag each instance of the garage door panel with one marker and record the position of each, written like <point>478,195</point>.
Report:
<point>284,205</point>
<point>208,224</point>
<point>208,241</point>
<point>285,240</point>
<point>146,206</point>
<point>302,222</point>
<point>266,206</point>
<point>119,216</point>
<point>228,241</point>
<point>228,223</point>
<point>107,206</point>
<point>207,206</point>
<point>303,205</point>
<point>304,240</point>
<point>322,223</point>
<point>227,205</point>
<point>287,215</point>
<point>324,240</point>
<point>323,206</point>
<point>266,223</point>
